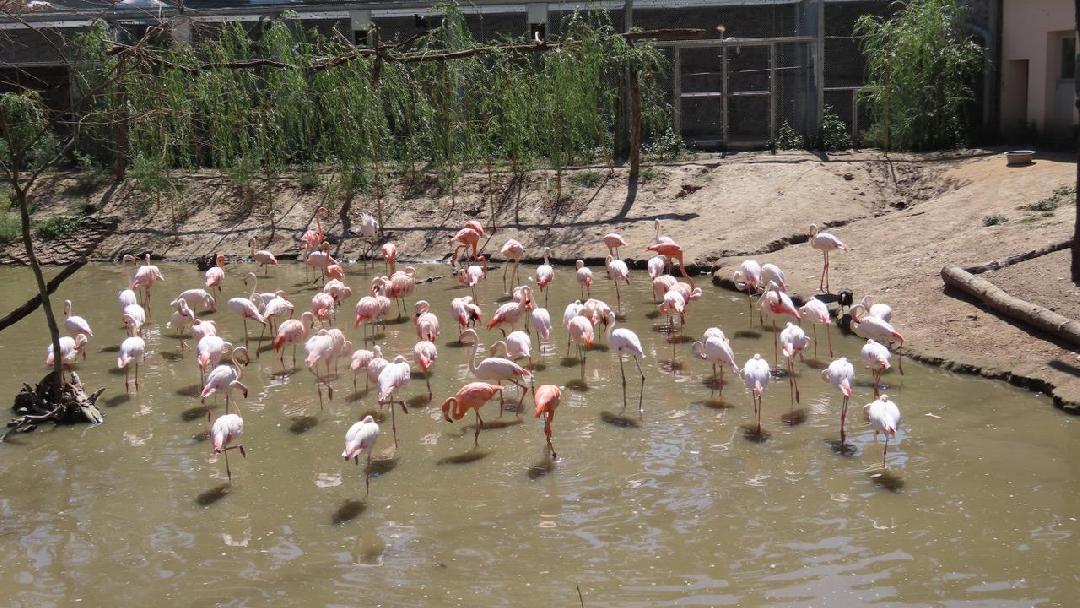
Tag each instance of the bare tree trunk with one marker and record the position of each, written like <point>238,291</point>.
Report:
<point>43,292</point>
<point>635,124</point>
<point>1076,224</point>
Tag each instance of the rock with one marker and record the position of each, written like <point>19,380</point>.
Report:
<point>849,176</point>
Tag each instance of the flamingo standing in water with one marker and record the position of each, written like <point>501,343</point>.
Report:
<point>473,274</point>
<point>390,255</point>
<point>320,348</point>
<point>878,329</point>
<point>465,312</point>
<point>818,313</point>
<point>181,317</point>
<point>777,303</point>
<point>227,429</point>
<point>262,257</point>
<point>825,242</point>
<point>542,323</point>
<point>867,306</point>
<point>393,378</point>
<point>75,324</point>
<point>756,376</point>
<point>512,250</point>
<point>498,369</point>
<point>215,275</point>
<point>625,341</point>
<point>613,241</point>
<point>673,251</point>
<point>69,350</point>
<point>772,272</point>
<point>145,278</point>
<point>748,278</point>
<point>581,332</point>
<point>572,310</point>
<point>360,438</point>
<point>132,350</point>
<point>425,353</point>
<point>199,300</point>
<point>402,284</point>
<point>225,378</point>
<point>841,374</point>
<point>617,270</point>
<point>547,397</point>
<point>427,324</point>
<point>292,331</point>
<point>516,345</point>
<point>876,357</point>
<point>472,396</point>
<point>793,340</point>
<point>884,418</point>
<point>360,360</point>
<point>716,348</point>
<point>134,318</point>
<point>466,238</point>
<point>584,278</point>
<point>512,312</point>
<point>545,274</point>
<point>208,351</point>
<point>247,310</point>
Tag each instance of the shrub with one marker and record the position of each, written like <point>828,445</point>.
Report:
<point>9,226</point>
<point>1060,196</point>
<point>994,220</point>
<point>56,227</point>
<point>587,179</point>
<point>788,138</point>
<point>834,133</point>
<point>669,145</point>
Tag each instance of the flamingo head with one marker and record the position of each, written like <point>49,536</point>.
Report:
<point>446,405</point>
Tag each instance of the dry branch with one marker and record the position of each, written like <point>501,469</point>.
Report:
<point>1020,257</point>
<point>996,299</point>
<point>32,304</point>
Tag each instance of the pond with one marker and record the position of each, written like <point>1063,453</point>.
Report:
<point>680,506</point>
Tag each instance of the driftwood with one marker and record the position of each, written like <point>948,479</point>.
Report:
<point>32,304</point>
<point>995,298</point>
<point>34,405</point>
<point>1020,257</point>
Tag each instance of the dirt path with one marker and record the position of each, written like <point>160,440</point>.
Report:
<point>904,219</point>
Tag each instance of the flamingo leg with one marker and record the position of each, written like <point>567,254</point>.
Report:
<point>843,417</point>
<point>547,434</point>
<point>136,375</point>
<point>813,327</point>
<point>885,452</point>
<point>227,471</point>
<point>502,400</point>
<point>393,423</point>
<point>427,381</point>
<point>641,395</point>
<point>367,476</point>
<point>623,374</point>
<point>618,298</point>
<point>479,425</point>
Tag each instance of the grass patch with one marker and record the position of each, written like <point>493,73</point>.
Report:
<point>1060,196</point>
<point>9,226</point>
<point>56,227</point>
<point>649,174</point>
<point>587,179</point>
<point>994,220</point>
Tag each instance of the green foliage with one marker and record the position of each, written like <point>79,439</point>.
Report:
<point>667,145</point>
<point>994,220</point>
<point>56,227</point>
<point>834,133</point>
<point>309,179</point>
<point>922,62</point>
<point>1062,195</point>
<point>788,138</point>
<point>587,179</point>
<point>10,229</point>
<point>26,143</point>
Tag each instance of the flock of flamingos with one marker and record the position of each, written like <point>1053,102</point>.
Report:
<point>585,321</point>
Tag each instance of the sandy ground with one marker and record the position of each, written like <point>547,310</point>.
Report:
<point>904,218</point>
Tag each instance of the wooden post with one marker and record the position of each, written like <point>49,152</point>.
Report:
<point>885,101</point>
<point>1076,100</point>
<point>635,124</point>
<point>676,86</point>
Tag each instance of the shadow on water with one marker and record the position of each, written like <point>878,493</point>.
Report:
<point>110,349</point>
<point>456,344</point>
<point>841,449</point>
<point>417,375</point>
<point>211,496</point>
<point>396,321</point>
<point>298,425</point>
<point>577,384</point>
<point>652,314</point>
<point>888,480</point>
<point>348,511</point>
<point>542,468</point>
<point>265,349</point>
<point>377,415</point>
<point>715,404</point>
<point>169,355</point>
<point>501,299</point>
<point>600,348</point>
<point>815,363</point>
<point>194,413</point>
<point>201,436</point>
<point>116,400</point>
<point>420,401</point>
<point>191,390</point>
<point>754,434</point>
<point>794,417</point>
<point>358,395</point>
<point>539,367</point>
<point>382,466</point>
<point>747,333</point>
<point>569,362</point>
<point>679,339</point>
<point>119,371</point>
<point>493,425</point>
<point>670,366</point>
<point>620,420</point>
<point>465,457</point>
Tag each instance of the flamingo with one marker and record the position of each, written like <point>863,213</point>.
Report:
<point>660,239</point>
<point>389,252</point>
<point>199,300</point>
<point>596,311</point>
<point>748,278</point>
<point>498,369</point>
<point>465,312</point>
<point>613,241</point>
<point>75,324</point>
<point>662,284</point>
<point>259,299</point>
<point>756,376</point>
<point>262,257</point>
<point>581,332</point>
<point>334,271</point>
<point>181,317</point>
<point>545,274</point>
<point>777,303</point>
<point>840,374</point>
<point>475,225</point>
<point>247,310</point>
<point>215,275</point>
<point>876,328</point>
<point>225,378</point>
<point>369,229</point>
<point>360,360</point>
<point>572,310</point>
<point>657,265</point>
<point>200,328</point>
<point>584,278</point>
<point>513,250</point>
<point>772,272</point>
<point>132,349</point>
<point>145,277</point>
<point>322,307</point>
<point>794,341</point>
<point>472,396</point>
<point>402,283</point>
<point>427,324</point>
<point>512,312</point>
<point>547,397</point>
<point>278,307</point>
<point>617,270</point>
<point>516,345</point>
<point>208,352</point>
<point>292,331</point>
<point>542,322</point>
<point>867,306</point>
<point>337,290</point>
<point>360,438</point>
<point>134,319</point>
<point>876,357</point>
<point>126,297</point>
<point>375,365</point>
<point>320,348</point>
<point>69,350</point>
<point>884,418</point>
<point>466,238</point>
<point>392,378</point>
<point>368,309</point>
<point>227,429</point>
<point>818,313</point>
<point>672,250</point>
<point>314,237</point>
<point>625,341</point>
<point>715,348</point>
<point>674,304</point>
<point>473,274</point>
<point>825,242</point>
<point>425,353</point>
<point>320,259</point>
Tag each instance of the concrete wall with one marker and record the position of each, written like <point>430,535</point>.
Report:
<point>1031,91</point>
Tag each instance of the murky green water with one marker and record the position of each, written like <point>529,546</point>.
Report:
<point>684,509</point>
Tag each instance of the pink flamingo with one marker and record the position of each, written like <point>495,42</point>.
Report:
<point>402,284</point>
<point>516,345</point>
<point>498,369</point>
<point>360,360</point>
<point>511,312</point>
<point>674,251</point>
<point>625,341</point>
<point>181,316</point>
<point>584,278</point>
<point>262,257</point>
<point>542,323</point>
<point>69,350</point>
<point>657,265</point>
<point>777,303</point>
<point>75,324</point>
<point>756,376</point>
<point>338,290</point>
<point>581,332</point>
<point>884,418</point>
<point>360,438</point>
<point>145,277</point>
<point>215,275</point>
<point>748,278</point>
<point>427,324</point>
<point>514,251</point>
<point>292,331</point>
<point>368,310</point>
<point>876,328</point>
<point>545,274</point>
<point>876,356</point>
<point>662,284</point>
<point>132,350</point>
<point>425,353</point>
<point>226,378</point>
<point>572,310</point>
<point>277,308</point>
<point>390,253</point>
<point>716,348</point>
<point>794,341</point>
<point>393,378</point>
<point>772,272</point>
<point>473,274</point>
<point>466,313</point>
<point>466,238</point>
<point>840,374</point>
<point>322,307</point>
<point>818,313</point>
<point>134,319</point>
<point>320,348</point>
<point>613,241</point>
<point>547,398</point>
<point>472,396</point>
<point>617,270</point>
<point>227,429</point>
<point>208,352</point>
<point>825,242</point>
<point>247,310</point>
<point>199,300</point>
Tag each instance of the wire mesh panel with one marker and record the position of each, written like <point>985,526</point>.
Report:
<point>701,84</point>
<point>794,88</point>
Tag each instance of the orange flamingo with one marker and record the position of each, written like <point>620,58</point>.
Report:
<point>672,250</point>
<point>547,398</point>
<point>472,396</point>
<point>466,238</point>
